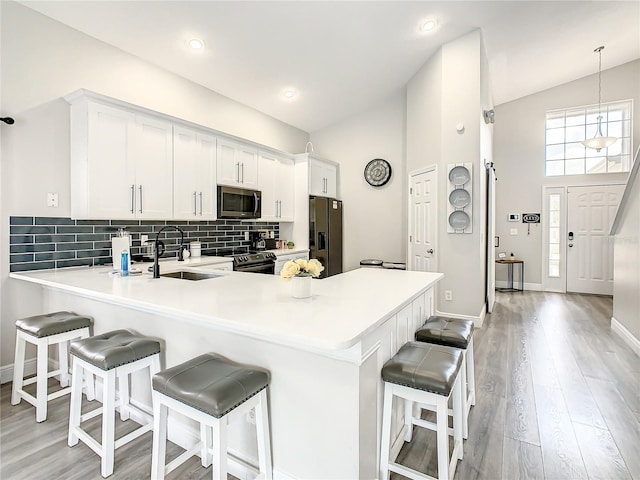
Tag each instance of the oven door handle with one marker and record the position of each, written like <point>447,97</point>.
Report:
<point>262,268</point>
<point>256,204</point>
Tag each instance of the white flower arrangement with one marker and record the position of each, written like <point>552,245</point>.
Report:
<point>301,268</point>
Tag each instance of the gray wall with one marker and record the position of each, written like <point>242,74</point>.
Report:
<point>519,156</point>
<point>43,60</point>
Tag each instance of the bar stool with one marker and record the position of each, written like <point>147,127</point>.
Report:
<point>213,391</point>
<point>428,375</point>
<point>457,333</point>
<point>110,355</point>
<point>44,330</point>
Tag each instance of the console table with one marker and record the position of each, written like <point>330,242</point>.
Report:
<point>510,263</point>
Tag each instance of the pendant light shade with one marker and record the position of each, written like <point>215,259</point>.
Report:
<point>599,141</point>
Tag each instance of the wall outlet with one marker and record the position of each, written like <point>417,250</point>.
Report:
<point>448,295</point>
<point>251,416</point>
<point>246,236</point>
<point>144,239</point>
<point>52,199</point>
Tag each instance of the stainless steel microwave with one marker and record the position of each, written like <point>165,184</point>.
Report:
<point>239,202</point>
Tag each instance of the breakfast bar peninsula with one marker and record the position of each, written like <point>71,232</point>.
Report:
<point>325,353</point>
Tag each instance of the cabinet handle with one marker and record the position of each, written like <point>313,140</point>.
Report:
<point>238,172</point>
<point>195,211</point>
<point>242,170</point>
<point>279,208</point>
<point>133,199</point>
<point>140,188</point>
<point>200,203</point>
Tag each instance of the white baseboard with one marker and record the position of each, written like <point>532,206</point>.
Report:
<point>534,287</point>
<point>626,335</point>
<point>6,372</point>
<point>478,320</point>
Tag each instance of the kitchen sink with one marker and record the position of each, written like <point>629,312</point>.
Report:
<point>191,275</point>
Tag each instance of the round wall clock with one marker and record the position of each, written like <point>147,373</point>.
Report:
<point>377,172</point>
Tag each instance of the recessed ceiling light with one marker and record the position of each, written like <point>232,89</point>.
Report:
<point>196,43</point>
<point>289,93</point>
<point>428,25</point>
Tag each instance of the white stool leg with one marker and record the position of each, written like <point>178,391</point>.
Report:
<point>63,362</point>
<point>459,414</point>
<point>41,382</point>
<point>386,431</point>
<point>471,380</point>
<point>159,450</point>
<point>408,416</point>
<point>123,383</point>
<point>207,441</point>
<point>75,402</point>
<point>220,449</point>
<point>262,431</point>
<point>442,435</point>
<point>108,422</point>
<point>463,382</point>
<point>18,369</point>
<point>90,385</point>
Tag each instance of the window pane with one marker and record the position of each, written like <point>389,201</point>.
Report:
<point>592,115</point>
<point>555,135</point>
<point>554,202</point>
<point>555,120</point>
<point>554,219</point>
<point>615,164</point>
<point>591,130</point>
<point>614,129</point>
<point>575,134</point>
<point>574,150</point>
<point>554,268</point>
<point>554,235</point>
<point>555,168</point>
<point>554,251</point>
<point>555,152</point>
<point>574,167</point>
<point>616,148</point>
<point>597,164</point>
<point>615,114</point>
<point>575,117</point>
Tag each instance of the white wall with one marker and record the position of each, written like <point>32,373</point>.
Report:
<point>43,60</point>
<point>451,89</point>
<point>519,156</point>
<point>373,224</point>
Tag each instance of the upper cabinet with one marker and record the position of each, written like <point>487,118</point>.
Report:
<point>237,164</point>
<point>276,174</point>
<point>121,163</point>
<point>194,175</point>
<point>323,178</point>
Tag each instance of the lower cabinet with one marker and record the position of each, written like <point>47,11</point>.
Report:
<point>281,259</point>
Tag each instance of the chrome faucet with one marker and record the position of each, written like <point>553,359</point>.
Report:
<point>156,266</point>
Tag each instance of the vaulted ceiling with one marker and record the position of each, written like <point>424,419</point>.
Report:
<point>342,57</point>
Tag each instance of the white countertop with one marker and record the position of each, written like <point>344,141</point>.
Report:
<point>342,310</point>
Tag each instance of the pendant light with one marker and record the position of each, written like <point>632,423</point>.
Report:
<point>599,141</point>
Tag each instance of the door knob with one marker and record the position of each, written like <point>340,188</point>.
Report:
<point>570,245</point>
<point>430,251</point>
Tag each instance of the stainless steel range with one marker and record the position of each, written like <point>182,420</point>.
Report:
<point>258,262</point>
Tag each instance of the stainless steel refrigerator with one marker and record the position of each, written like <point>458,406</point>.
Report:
<point>325,233</point>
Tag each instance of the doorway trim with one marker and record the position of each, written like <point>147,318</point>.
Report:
<point>431,168</point>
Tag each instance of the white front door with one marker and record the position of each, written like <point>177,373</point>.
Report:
<point>422,221</point>
<point>590,212</point>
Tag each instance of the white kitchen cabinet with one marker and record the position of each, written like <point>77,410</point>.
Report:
<point>276,175</point>
<point>237,164</point>
<point>323,179</point>
<point>194,175</point>
<point>121,163</point>
<point>281,259</point>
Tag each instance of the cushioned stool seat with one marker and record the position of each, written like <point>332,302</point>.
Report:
<point>56,328</point>
<point>111,355</point>
<point>428,375</point>
<point>212,390</point>
<point>458,333</point>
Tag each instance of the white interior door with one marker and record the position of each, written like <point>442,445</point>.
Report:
<point>422,221</point>
<point>491,235</point>
<point>590,212</point>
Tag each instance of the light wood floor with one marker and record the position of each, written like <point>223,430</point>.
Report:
<point>558,398</point>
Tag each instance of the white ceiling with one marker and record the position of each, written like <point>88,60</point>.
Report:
<point>343,57</point>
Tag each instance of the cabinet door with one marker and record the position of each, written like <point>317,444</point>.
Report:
<point>316,179</point>
<point>268,173</point>
<point>227,166</point>
<point>194,157</point>
<point>331,180</point>
<point>153,151</point>
<point>285,187</point>
<point>107,190</point>
<point>248,158</point>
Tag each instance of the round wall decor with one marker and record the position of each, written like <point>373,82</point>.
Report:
<point>377,172</point>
